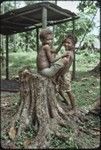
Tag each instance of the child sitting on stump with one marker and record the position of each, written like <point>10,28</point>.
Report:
<point>47,65</point>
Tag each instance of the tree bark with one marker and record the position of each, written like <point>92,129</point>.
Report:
<point>38,107</point>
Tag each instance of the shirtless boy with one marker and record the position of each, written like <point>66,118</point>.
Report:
<point>63,74</point>
<point>47,65</point>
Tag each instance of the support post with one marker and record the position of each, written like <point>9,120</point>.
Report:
<point>44,17</point>
<point>54,26</point>
<point>7,59</point>
<point>74,67</point>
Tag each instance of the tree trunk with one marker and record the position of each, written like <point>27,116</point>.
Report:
<point>39,108</point>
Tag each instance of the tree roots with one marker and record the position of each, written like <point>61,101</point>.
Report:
<point>39,107</point>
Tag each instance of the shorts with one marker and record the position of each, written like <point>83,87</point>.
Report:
<point>55,67</point>
<point>64,83</point>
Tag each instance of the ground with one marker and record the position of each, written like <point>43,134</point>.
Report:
<point>86,89</point>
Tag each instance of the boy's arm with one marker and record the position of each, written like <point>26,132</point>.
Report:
<point>62,56</point>
<point>55,51</point>
<point>49,54</point>
<point>61,43</point>
<point>58,48</point>
<point>50,57</point>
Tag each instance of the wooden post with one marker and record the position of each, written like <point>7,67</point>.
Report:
<point>54,27</point>
<point>73,71</point>
<point>7,59</point>
<point>44,17</point>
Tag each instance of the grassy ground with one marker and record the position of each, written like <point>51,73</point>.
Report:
<point>86,88</point>
<point>18,61</point>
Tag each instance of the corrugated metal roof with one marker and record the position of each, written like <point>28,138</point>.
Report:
<point>30,17</point>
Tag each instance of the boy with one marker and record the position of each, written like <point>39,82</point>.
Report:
<point>63,75</point>
<point>47,65</point>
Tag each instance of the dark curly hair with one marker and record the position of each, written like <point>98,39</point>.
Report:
<point>72,37</point>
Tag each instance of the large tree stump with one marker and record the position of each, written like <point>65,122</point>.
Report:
<point>39,108</point>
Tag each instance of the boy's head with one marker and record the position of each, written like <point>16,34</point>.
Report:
<point>70,41</point>
<point>46,36</point>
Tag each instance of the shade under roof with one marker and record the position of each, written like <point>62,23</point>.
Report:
<point>29,17</point>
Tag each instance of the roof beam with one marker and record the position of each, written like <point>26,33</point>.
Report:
<point>20,24</point>
<point>39,26</point>
<point>10,27</point>
<point>61,21</point>
<point>22,30</point>
<point>23,13</point>
<point>30,19</point>
<point>55,10</point>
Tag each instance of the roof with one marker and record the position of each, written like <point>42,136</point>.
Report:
<point>30,17</point>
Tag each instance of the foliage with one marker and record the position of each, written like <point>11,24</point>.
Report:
<point>84,25</point>
<point>27,41</point>
<point>86,60</point>
<point>6,6</point>
<point>84,4</point>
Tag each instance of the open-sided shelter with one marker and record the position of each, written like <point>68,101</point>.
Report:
<point>32,17</point>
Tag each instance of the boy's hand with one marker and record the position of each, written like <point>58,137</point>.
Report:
<point>65,54</point>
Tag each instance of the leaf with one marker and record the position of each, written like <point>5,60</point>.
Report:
<point>12,133</point>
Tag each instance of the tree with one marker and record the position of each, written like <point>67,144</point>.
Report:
<point>92,8</point>
<point>83,25</point>
<point>39,109</point>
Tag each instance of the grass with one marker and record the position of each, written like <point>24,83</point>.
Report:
<point>20,60</point>
<point>86,87</point>
<point>86,90</point>
<point>86,61</point>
